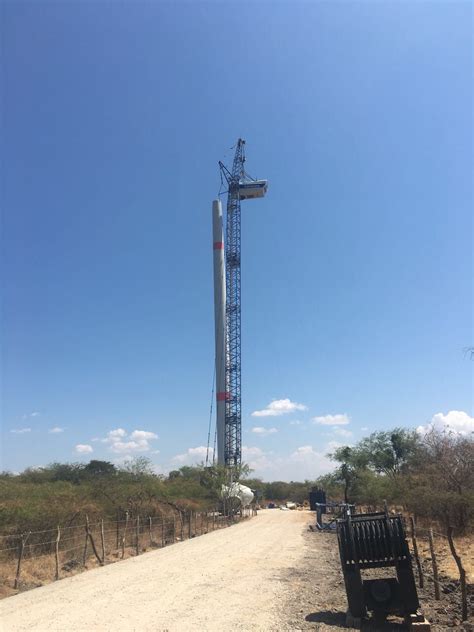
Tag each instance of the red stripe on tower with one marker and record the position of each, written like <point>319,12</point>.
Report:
<point>218,245</point>
<point>222,397</point>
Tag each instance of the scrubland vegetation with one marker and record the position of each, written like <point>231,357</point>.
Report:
<point>430,476</point>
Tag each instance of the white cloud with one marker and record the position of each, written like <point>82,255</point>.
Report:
<point>259,430</point>
<point>456,421</point>
<point>332,420</point>
<point>120,442</point>
<point>193,455</point>
<point>279,407</point>
<point>258,460</point>
<point>307,463</point>
<point>295,422</point>
<point>143,435</point>
<point>364,428</point>
<point>20,430</point>
<point>115,435</point>
<point>119,447</point>
<point>55,430</point>
<point>303,463</point>
<point>82,448</point>
<point>342,432</point>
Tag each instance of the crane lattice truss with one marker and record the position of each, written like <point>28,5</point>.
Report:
<point>233,405</point>
<point>240,187</point>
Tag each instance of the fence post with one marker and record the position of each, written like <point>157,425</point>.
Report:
<point>102,540</point>
<point>174,528</point>
<point>58,535</point>
<point>84,554</point>
<point>117,531</point>
<point>20,557</point>
<point>462,573</point>
<point>181,521</point>
<point>214,520</point>
<point>89,535</point>
<point>137,543</point>
<point>163,539</point>
<point>415,550</point>
<point>434,564</point>
<point>189,524</point>
<point>150,530</point>
<point>124,534</point>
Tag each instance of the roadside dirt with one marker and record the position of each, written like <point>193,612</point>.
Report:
<point>316,598</point>
<point>269,573</point>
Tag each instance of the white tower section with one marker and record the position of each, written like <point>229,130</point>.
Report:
<point>219,322</point>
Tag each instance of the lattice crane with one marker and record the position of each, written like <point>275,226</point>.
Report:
<point>240,187</point>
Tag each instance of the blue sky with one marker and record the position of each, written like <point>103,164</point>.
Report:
<point>356,267</point>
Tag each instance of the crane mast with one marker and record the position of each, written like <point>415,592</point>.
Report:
<point>233,405</point>
<point>240,187</point>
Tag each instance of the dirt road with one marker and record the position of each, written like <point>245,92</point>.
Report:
<point>233,579</point>
<point>269,574</point>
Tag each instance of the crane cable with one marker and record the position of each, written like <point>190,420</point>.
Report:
<point>210,420</point>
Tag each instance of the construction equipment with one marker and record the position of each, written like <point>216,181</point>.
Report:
<point>336,509</point>
<point>376,540</point>
<point>229,416</point>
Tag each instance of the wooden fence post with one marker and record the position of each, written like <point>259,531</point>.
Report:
<point>415,550</point>
<point>434,564</point>
<point>84,554</point>
<point>102,540</point>
<point>214,520</point>
<point>174,528</point>
<point>137,543</point>
<point>150,530</point>
<point>117,531</point>
<point>163,538</point>
<point>189,524</point>
<point>23,539</point>
<point>58,535</point>
<point>181,520</point>
<point>89,535</point>
<point>124,534</point>
<point>462,573</point>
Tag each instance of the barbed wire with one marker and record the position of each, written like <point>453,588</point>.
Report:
<point>144,529</point>
<point>110,520</point>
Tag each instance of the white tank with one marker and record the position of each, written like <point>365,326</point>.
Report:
<point>236,490</point>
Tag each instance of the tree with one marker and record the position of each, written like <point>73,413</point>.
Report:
<point>100,468</point>
<point>442,478</point>
<point>139,466</point>
<point>351,460</point>
<point>388,452</point>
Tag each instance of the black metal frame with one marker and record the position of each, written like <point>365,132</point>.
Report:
<point>331,524</point>
<point>376,540</point>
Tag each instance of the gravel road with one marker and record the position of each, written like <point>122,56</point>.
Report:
<point>269,573</point>
<point>232,579</point>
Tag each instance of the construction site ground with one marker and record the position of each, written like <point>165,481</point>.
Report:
<point>268,573</point>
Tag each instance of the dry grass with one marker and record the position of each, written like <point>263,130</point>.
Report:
<point>446,564</point>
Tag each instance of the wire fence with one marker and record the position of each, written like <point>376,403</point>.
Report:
<point>49,554</point>
<point>432,538</point>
